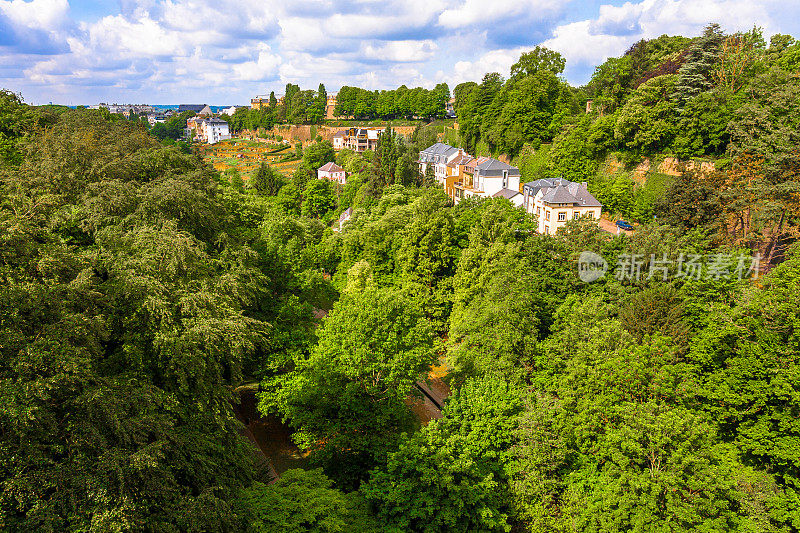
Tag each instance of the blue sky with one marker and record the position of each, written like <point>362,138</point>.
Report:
<point>225,51</point>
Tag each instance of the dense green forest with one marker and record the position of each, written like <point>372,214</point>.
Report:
<point>140,288</point>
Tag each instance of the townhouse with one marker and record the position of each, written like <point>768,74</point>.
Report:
<point>437,154</point>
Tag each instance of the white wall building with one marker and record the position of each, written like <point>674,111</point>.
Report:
<point>331,171</point>
<point>492,176</point>
<point>557,201</point>
<point>338,139</point>
<point>215,130</point>
<point>437,155</point>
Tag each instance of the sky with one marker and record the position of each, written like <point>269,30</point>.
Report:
<point>223,52</point>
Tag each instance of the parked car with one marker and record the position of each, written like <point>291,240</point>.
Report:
<point>624,225</point>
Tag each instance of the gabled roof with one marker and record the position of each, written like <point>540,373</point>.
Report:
<point>340,133</point>
<point>331,167</point>
<point>508,194</point>
<point>488,166</point>
<point>561,191</point>
<point>439,149</point>
<point>462,159</point>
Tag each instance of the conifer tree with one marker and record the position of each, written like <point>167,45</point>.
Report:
<point>695,76</point>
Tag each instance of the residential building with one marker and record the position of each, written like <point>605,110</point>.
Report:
<point>262,100</point>
<point>362,139</point>
<point>200,109</point>
<point>156,118</point>
<point>454,172</point>
<point>331,171</point>
<point>437,154</point>
<point>556,201</point>
<point>515,197</point>
<point>485,177</point>
<point>259,101</point>
<point>208,130</point>
<point>231,110</point>
<point>449,109</point>
<point>215,130</point>
<point>338,139</point>
<point>126,109</point>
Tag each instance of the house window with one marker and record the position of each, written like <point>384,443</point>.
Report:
<point>562,216</point>
<point>505,179</point>
<point>546,215</point>
<point>575,215</point>
<point>538,211</point>
<point>547,230</point>
<point>590,214</point>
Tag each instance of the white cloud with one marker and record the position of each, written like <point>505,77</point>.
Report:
<point>37,14</point>
<point>263,68</point>
<point>170,50</point>
<point>401,51</point>
<point>591,42</point>
<point>480,12</point>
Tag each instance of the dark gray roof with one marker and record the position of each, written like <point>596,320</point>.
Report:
<point>439,149</point>
<point>191,107</point>
<point>494,167</point>
<point>508,194</point>
<point>561,191</point>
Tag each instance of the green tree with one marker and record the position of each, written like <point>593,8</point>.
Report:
<point>538,59</point>
<point>267,181</point>
<point>318,198</point>
<point>450,475</point>
<point>303,501</point>
<point>346,400</point>
<point>318,153</point>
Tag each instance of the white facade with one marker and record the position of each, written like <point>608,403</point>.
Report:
<point>556,202</point>
<point>333,172</point>
<point>492,176</point>
<point>338,141</point>
<point>215,130</point>
<point>230,110</point>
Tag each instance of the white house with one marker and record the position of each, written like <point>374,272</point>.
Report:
<point>215,130</point>
<point>556,201</point>
<point>339,139</point>
<point>154,119</point>
<point>492,176</point>
<point>231,110</point>
<point>437,155</point>
<point>331,171</point>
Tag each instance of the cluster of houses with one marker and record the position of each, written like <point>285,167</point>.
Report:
<point>125,109</point>
<point>553,201</point>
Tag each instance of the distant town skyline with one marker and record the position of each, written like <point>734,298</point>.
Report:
<point>222,53</point>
